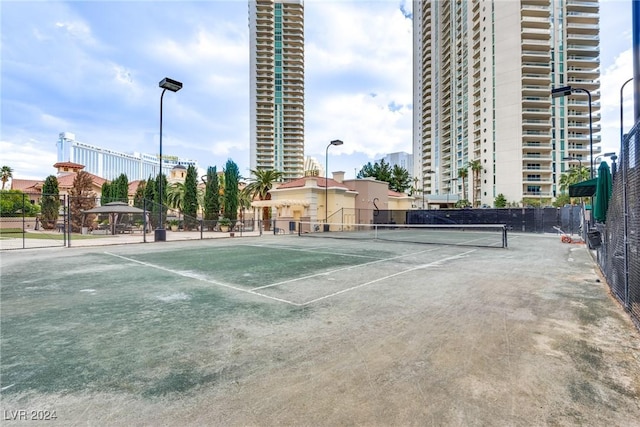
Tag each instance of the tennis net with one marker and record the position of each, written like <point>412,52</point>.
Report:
<point>484,235</point>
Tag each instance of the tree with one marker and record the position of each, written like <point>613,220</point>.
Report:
<point>462,174</point>
<point>397,177</point>
<point>400,179</point>
<point>138,198</point>
<point>159,200</point>
<point>462,203</point>
<point>561,200</point>
<point>15,203</point>
<point>120,189</point>
<point>500,201</point>
<point>50,203</point>
<point>5,175</point>
<point>105,193</point>
<point>259,187</point>
<point>82,198</point>
<point>190,199</point>
<point>149,198</point>
<point>175,195</point>
<point>573,176</point>
<point>211,195</point>
<point>476,168</point>
<point>231,179</point>
<point>380,171</point>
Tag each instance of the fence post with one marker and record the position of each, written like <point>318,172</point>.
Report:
<point>144,220</point>
<point>24,237</point>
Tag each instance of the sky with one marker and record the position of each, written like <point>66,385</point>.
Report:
<point>92,68</point>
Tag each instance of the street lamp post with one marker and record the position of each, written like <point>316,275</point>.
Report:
<point>622,110</point>
<point>569,158</point>
<point>429,171</point>
<point>566,91</point>
<point>326,182</point>
<point>173,86</point>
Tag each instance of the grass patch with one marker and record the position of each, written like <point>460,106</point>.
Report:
<point>18,233</point>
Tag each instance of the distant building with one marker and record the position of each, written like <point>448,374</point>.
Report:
<point>110,164</point>
<point>312,167</point>
<point>402,159</point>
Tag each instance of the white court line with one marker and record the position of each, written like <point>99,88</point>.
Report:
<point>194,276</point>
<point>387,277</point>
<point>314,250</point>
<point>326,273</point>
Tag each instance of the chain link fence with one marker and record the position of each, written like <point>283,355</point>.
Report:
<point>618,249</point>
<point>65,221</point>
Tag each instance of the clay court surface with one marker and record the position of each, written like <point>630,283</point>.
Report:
<point>287,330</point>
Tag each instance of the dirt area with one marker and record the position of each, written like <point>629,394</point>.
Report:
<point>527,336</point>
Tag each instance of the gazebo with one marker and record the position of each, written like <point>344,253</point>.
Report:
<point>114,209</point>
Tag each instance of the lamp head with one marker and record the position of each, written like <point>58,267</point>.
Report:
<point>561,91</point>
<point>172,85</point>
<point>336,142</point>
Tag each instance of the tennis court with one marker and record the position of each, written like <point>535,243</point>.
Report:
<point>301,331</point>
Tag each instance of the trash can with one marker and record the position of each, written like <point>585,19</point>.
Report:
<point>595,238</point>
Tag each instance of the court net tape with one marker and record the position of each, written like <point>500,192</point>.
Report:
<point>483,235</point>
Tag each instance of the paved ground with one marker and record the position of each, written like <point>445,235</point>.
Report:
<point>527,336</point>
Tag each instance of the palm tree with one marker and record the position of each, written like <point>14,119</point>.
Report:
<point>175,195</point>
<point>6,174</point>
<point>476,168</point>
<point>573,176</point>
<point>462,174</point>
<point>259,187</point>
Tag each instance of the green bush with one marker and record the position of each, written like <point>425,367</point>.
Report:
<point>14,203</point>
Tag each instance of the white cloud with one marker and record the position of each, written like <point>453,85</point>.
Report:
<point>612,79</point>
<point>78,30</point>
<point>28,159</point>
<point>364,123</point>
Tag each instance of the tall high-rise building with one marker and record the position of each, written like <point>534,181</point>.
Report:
<point>483,75</point>
<point>277,86</point>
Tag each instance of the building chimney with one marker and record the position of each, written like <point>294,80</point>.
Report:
<point>338,176</point>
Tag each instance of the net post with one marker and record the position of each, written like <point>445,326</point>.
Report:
<point>504,236</point>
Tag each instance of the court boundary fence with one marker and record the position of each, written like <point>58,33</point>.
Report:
<point>617,241</point>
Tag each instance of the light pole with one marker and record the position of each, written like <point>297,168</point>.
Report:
<point>569,158</point>
<point>429,171</point>
<point>622,110</point>
<point>613,159</point>
<point>566,91</point>
<point>173,86</point>
<point>326,182</point>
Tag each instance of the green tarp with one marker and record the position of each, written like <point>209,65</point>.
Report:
<point>584,188</point>
<point>603,193</point>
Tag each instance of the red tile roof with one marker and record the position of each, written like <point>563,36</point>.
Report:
<point>66,181</point>
<point>133,186</point>
<point>26,185</point>
<point>68,165</point>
